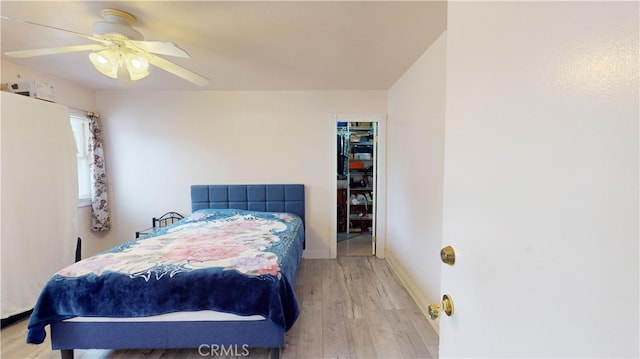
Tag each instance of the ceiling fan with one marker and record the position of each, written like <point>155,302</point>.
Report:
<point>121,51</point>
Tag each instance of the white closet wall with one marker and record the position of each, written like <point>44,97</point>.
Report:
<point>39,191</point>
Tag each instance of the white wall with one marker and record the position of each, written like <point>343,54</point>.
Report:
<point>159,143</point>
<point>75,97</point>
<point>415,162</point>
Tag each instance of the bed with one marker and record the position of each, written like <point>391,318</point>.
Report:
<point>174,290</point>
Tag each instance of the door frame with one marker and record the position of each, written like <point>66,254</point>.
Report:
<point>380,181</point>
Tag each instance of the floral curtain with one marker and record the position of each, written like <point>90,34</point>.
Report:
<point>100,220</point>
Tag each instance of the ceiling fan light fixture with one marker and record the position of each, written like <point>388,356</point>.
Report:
<point>106,62</point>
<point>137,65</point>
<point>112,63</point>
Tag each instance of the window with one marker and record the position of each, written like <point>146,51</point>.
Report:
<point>80,127</point>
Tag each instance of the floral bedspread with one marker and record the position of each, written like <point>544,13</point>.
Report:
<point>236,261</point>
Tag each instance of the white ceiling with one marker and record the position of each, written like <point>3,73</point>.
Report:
<point>242,45</point>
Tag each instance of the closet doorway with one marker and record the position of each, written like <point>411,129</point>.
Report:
<point>357,184</point>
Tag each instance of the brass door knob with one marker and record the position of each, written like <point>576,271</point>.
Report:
<point>445,306</point>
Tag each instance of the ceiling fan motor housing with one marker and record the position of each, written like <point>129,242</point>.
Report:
<point>117,24</point>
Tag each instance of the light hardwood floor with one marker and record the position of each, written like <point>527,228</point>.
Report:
<point>356,245</point>
<point>350,307</point>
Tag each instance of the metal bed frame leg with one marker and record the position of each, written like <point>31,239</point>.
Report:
<point>274,353</point>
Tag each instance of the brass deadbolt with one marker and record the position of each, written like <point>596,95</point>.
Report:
<point>445,306</point>
<point>448,255</point>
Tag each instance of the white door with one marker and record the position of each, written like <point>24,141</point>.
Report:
<point>541,180</point>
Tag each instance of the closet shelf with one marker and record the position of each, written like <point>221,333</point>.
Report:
<point>355,217</point>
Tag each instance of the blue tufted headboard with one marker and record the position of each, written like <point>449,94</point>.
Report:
<point>254,197</point>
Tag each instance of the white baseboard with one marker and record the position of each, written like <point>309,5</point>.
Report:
<point>411,287</point>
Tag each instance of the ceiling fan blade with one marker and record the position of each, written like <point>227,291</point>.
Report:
<point>159,47</point>
<point>55,50</point>
<point>106,42</point>
<point>177,70</point>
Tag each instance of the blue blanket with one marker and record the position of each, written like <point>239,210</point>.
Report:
<point>229,260</point>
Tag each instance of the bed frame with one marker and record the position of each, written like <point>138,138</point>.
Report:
<point>229,335</point>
